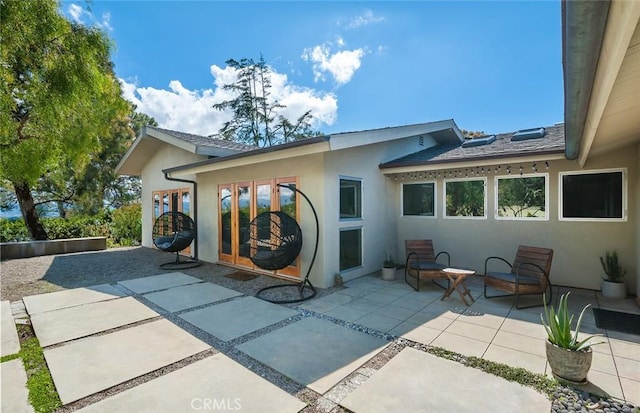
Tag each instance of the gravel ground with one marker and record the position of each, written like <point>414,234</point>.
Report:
<point>38,275</point>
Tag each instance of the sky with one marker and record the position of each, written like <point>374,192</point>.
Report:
<point>491,66</point>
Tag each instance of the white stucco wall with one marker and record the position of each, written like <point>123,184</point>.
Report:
<point>577,245</point>
<point>165,157</point>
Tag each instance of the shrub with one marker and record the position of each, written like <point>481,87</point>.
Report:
<point>126,225</point>
<point>13,230</point>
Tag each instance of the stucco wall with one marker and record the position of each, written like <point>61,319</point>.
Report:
<point>308,169</point>
<point>166,156</point>
<point>577,245</point>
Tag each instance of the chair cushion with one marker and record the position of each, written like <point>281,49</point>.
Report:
<point>511,277</point>
<point>427,266</point>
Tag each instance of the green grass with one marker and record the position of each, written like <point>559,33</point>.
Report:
<point>9,357</point>
<point>42,392</point>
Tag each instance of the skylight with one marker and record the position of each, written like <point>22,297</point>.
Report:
<point>485,140</point>
<point>526,134</point>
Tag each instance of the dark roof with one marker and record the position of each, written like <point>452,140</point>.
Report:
<point>502,147</point>
<point>206,140</point>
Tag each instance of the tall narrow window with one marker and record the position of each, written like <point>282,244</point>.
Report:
<point>225,219</point>
<point>594,195</point>
<point>350,198</point>
<point>288,199</point>
<point>418,199</point>
<point>186,203</point>
<point>244,218</point>
<point>350,248</point>
<point>522,197</point>
<point>465,198</point>
<point>263,198</point>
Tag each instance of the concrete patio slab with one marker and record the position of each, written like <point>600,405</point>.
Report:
<point>9,343</point>
<point>69,323</point>
<point>414,381</point>
<point>189,296</point>
<point>69,298</point>
<point>14,395</point>
<point>215,383</point>
<point>237,317</point>
<point>90,365</point>
<point>314,352</point>
<point>158,282</point>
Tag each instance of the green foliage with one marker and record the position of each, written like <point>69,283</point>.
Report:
<point>465,198</point>
<point>255,113</point>
<point>558,326</point>
<point>126,225</point>
<point>520,195</point>
<point>612,267</point>
<point>58,97</point>
<point>13,230</point>
<point>388,261</point>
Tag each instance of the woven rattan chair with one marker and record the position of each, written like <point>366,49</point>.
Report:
<point>529,274</point>
<point>174,231</point>
<point>421,263</point>
<point>275,239</point>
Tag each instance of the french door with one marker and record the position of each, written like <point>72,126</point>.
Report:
<point>239,203</point>
<point>172,200</point>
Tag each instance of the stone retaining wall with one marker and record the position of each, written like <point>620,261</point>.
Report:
<point>25,249</point>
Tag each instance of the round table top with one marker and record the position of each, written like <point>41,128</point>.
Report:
<point>458,271</point>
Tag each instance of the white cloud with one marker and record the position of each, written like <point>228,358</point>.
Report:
<point>84,17</point>
<point>364,19</point>
<point>341,65</point>
<point>191,111</point>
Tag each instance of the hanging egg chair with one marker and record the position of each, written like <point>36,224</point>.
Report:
<point>173,232</point>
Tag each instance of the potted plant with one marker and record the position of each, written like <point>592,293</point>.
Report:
<point>569,359</point>
<point>388,268</point>
<point>613,285</point>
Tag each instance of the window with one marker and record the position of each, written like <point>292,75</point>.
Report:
<point>522,197</point>
<point>593,195</point>
<point>350,248</point>
<point>465,198</point>
<point>350,198</point>
<point>418,199</point>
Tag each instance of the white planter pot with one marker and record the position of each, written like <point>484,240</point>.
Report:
<point>388,274</point>
<point>614,290</point>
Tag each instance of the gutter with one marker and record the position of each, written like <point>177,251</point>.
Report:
<point>583,28</point>
<point>195,206</point>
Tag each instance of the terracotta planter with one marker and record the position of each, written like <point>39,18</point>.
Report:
<point>614,290</point>
<point>388,274</point>
<point>569,365</point>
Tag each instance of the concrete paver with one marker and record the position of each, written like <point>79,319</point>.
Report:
<point>189,296</point>
<point>414,381</point>
<point>158,282</point>
<point>216,383</point>
<point>69,323</point>
<point>9,336</point>
<point>69,298</point>
<point>237,317</point>
<point>14,394</point>
<point>314,352</point>
<point>89,365</point>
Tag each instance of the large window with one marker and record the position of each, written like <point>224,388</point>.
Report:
<point>350,248</point>
<point>350,198</point>
<point>593,195</point>
<point>465,198</point>
<point>418,199</point>
<point>522,197</point>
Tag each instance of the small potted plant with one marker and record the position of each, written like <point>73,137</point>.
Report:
<point>569,359</point>
<point>388,268</point>
<point>613,285</point>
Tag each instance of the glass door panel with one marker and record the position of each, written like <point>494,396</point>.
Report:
<point>244,201</point>
<point>226,223</point>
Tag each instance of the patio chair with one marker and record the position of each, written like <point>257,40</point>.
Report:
<point>529,274</point>
<point>421,263</point>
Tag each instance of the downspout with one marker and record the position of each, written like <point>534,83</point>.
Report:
<point>195,206</point>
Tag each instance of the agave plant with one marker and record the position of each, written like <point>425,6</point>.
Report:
<point>558,326</point>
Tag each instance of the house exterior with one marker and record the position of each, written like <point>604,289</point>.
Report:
<point>573,187</point>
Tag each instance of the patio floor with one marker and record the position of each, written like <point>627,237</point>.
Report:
<point>489,328</point>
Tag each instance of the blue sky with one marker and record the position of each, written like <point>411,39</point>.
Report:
<point>491,66</point>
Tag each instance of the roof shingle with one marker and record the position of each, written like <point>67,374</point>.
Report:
<point>206,140</point>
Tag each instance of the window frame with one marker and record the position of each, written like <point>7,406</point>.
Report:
<point>360,203</point>
<point>518,176</point>
<point>444,198</point>
<point>352,228</point>
<point>625,194</point>
<point>435,199</point>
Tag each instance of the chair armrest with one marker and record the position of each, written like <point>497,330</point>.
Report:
<point>544,273</point>
<point>495,258</point>
<point>448,257</point>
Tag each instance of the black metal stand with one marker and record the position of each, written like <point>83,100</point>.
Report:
<point>306,283</point>
<point>181,265</point>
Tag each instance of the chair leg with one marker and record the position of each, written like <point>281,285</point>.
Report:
<point>406,279</point>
